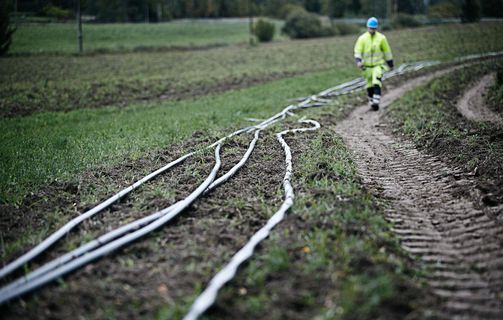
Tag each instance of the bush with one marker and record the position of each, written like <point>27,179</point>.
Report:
<point>404,20</point>
<point>302,24</point>
<point>57,12</point>
<point>264,30</point>
<point>6,30</point>
<point>342,28</point>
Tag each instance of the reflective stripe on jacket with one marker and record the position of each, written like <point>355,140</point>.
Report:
<point>372,50</point>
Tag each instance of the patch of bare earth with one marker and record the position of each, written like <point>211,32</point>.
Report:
<point>433,213</point>
<point>168,265</point>
<point>472,104</point>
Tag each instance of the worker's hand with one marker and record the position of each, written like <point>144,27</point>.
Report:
<point>390,64</point>
<point>359,64</point>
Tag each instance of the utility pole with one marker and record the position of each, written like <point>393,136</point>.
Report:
<point>391,8</point>
<point>159,12</point>
<point>79,27</point>
<point>250,17</point>
<point>15,14</point>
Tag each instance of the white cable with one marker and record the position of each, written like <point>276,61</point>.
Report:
<point>8,292</point>
<point>208,296</point>
<point>141,222</point>
<point>307,102</point>
<point>167,215</point>
<point>74,222</point>
<point>49,241</point>
<point>86,248</point>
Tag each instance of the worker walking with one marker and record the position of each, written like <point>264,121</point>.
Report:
<point>371,52</point>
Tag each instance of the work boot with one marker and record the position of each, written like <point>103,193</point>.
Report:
<point>376,99</point>
<point>370,94</point>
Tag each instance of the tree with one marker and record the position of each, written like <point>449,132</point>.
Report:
<point>492,8</point>
<point>470,11</point>
<point>354,6</point>
<point>335,8</point>
<point>273,8</point>
<point>442,10</point>
<point>409,6</point>
<point>312,5</point>
<point>6,30</point>
<point>374,8</point>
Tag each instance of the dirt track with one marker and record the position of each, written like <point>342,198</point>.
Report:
<point>432,212</point>
<point>472,106</point>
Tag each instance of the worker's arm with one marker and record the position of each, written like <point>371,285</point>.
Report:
<point>388,56</point>
<point>358,52</point>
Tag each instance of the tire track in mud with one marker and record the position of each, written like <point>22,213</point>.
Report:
<point>432,213</point>
<point>472,105</point>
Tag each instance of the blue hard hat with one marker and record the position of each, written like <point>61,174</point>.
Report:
<point>372,23</point>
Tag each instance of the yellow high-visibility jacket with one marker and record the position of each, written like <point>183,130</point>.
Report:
<point>372,50</point>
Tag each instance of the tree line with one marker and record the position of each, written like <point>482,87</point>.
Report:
<point>165,10</point>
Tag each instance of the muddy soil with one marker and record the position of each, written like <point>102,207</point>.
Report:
<point>472,105</point>
<point>477,146</point>
<point>65,200</point>
<point>169,264</point>
<point>293,292</point>
<point>431,205</point>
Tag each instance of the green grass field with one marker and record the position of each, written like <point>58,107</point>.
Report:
<point>55,144</point>
<point>62,115</point>
<point>63,83</point>
<point>44,146</point>
<point>61,38</point>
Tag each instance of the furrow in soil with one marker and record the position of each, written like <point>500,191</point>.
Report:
<point>461,246</point>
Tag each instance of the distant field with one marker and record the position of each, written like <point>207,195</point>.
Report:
<point>41,146</point>
<point>56,83</point>
<point>61,37</point>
